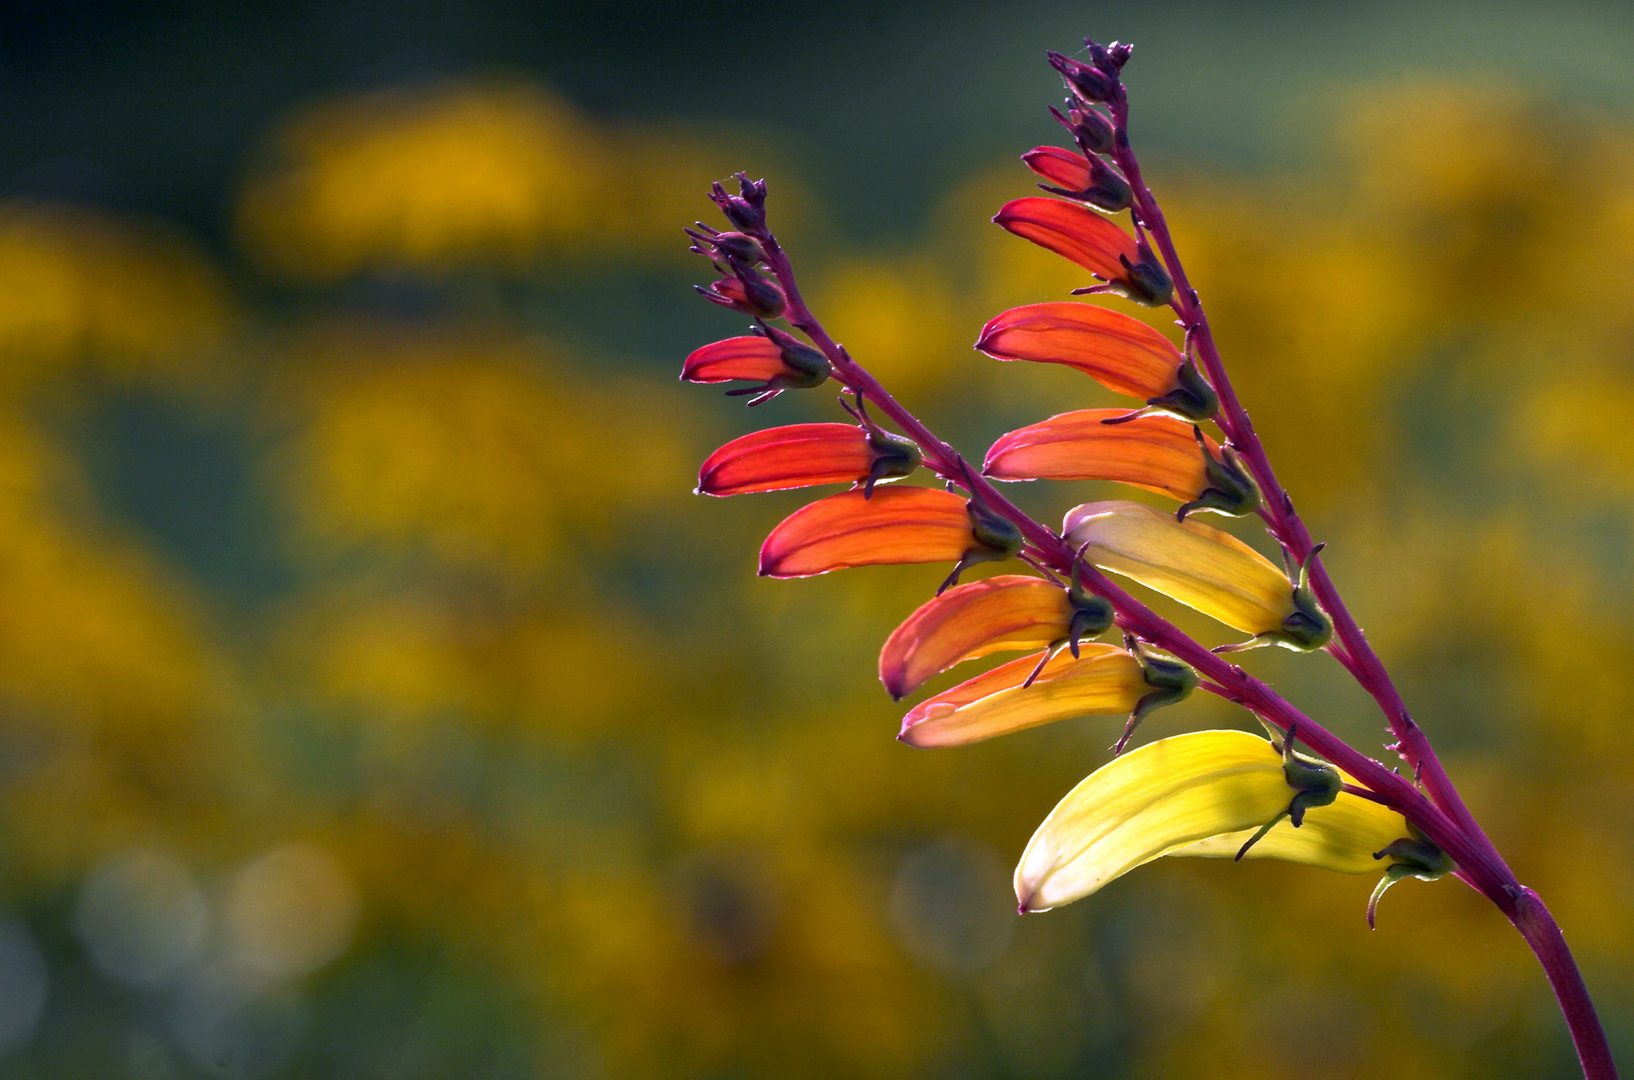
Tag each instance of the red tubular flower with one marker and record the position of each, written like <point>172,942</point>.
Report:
<point>897,525</point>
<point>1006,612</point>
<point>1063,168</point>
<point>799,455</point>
<point>1073,231</point>
<point>802,455</point>
<point>1156,453</point>
<point>757,359</point>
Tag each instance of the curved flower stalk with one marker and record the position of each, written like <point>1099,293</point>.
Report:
<point>1197,794</point>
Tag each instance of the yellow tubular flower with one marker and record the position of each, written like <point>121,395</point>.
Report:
<point>1201,793</point>
<point>1200,566</point>
<point>1103,679</point>
<point>1340,837</point>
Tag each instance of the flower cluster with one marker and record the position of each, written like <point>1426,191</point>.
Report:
<point>1220,793</point>
<point>1206,793</point>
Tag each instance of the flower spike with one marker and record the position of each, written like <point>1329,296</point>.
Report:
<point>1121,353</point>
<point>1212,794</point>
<point>1102,680</point>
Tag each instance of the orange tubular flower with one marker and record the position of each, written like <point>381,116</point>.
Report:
<point>1078,233</point>
<point>1006,612</point>
<point>1075,232</point>
<point>897,525</point>
<point>1151,452</point>
<point>1103,679</point>
<point>775,367</point>
<point>1121,353</point>
<point>801,455</point>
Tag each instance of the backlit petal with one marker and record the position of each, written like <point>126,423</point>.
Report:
<point>1196,564</point>
<point>1157,453</point>
<point>1121,353</point>
<point>753,358</point>
<point>1103,680</point>
<point>1146,803</point>
<point>1064,168</point>
<point>798,455</point>
<point>1073,231</point>
<point>1340,837</point>
<point>1010,611</point>
<point>897,525</point>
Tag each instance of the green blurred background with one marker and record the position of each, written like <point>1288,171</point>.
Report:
<point>378,702</point>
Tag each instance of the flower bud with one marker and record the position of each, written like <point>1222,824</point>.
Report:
<point>1086,82</point>
<point>1090,130</point>
<point>794,456</point>
<point>748,293</point>
<point>747,210</point>
<point>1087,179</point>
<point>739,248</point>
<point>1060,167</point>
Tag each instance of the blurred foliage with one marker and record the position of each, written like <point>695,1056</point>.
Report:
<point>510,766</point>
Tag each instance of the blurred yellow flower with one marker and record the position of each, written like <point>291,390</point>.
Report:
<point>464,174</point>
<point>78,286</point>
<point>462,445</point>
